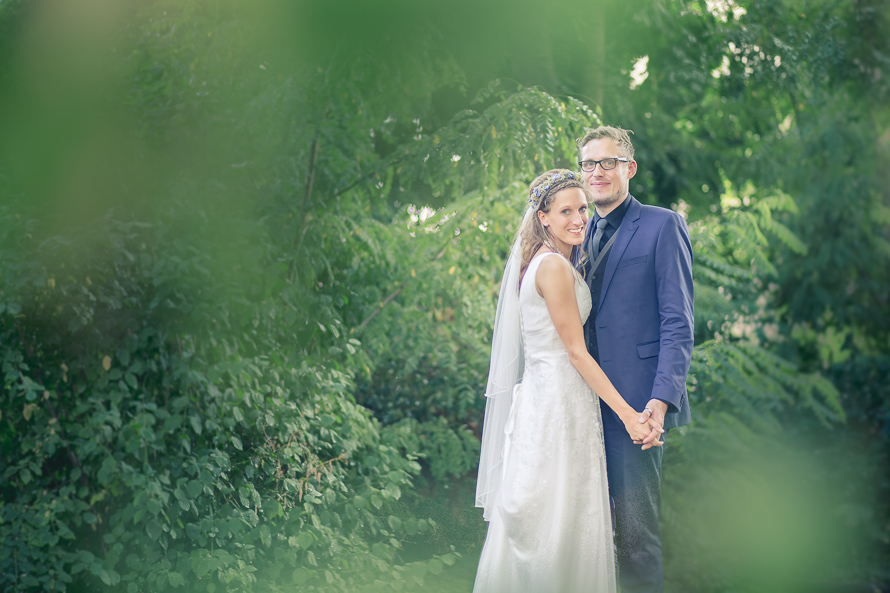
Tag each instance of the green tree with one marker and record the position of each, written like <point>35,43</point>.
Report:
<point>248,276</point>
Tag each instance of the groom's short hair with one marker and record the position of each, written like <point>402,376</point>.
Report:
<point>619,135</point>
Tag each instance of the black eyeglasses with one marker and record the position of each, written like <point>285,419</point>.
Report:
<point>606,164</point>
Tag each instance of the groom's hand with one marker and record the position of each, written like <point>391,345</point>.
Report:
<point>653,414</point>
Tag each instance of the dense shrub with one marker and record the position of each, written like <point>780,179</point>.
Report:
<point>145,447</point>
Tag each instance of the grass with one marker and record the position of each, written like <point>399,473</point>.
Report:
<point>454,579</point>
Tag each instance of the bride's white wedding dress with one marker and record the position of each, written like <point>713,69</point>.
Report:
<point>551,529</point>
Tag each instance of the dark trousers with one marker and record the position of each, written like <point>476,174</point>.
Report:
<point>635,490</point>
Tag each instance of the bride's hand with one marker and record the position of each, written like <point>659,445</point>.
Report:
<point>638,431</point>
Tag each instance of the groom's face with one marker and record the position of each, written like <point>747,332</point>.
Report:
<point>609,188</point>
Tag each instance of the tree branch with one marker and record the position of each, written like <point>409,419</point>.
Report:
<point>307,196</point>
<point>379,308</point>
<point>396,293</point>
<point>368,175</point>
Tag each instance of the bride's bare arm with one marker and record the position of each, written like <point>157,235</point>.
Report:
<point>556,283</point>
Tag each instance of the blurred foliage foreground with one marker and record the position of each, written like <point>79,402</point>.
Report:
<point>245,305</point>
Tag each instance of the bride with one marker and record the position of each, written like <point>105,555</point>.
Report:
<point>542,470</point>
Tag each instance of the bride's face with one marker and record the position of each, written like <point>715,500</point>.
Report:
<point>567,218</point>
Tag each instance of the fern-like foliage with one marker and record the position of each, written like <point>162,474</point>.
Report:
<point>734,370</point>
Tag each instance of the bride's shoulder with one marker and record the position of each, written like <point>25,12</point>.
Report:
<point>554,268</point>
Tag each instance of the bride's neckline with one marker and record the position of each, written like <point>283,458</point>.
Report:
<point>543,253</point>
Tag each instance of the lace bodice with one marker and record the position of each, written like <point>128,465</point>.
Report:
<point>538,332</point>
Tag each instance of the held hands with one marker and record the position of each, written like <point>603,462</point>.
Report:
<point>638,432</point>
<point>644,429</point>
<point>651,420</point>
<point>648,427</point>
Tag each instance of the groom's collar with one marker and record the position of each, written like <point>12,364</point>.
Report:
<point>615,217</point>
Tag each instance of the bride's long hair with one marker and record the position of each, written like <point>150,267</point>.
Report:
<point>533,234</point>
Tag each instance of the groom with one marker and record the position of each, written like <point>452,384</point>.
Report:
<point>639,269</point>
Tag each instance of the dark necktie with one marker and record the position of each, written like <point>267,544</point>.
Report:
<point>597,239</point>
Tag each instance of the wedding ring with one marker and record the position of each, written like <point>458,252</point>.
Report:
<point>648,410</point>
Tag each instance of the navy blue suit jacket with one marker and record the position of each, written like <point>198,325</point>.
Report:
<point>644,323</point>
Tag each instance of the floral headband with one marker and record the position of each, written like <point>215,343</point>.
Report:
<point>542,188</point>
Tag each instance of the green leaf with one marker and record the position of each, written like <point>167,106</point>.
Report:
<point>202,563</point>
<point>265,535</point>
<point>153,528</point>
<point>305,540</point>
<point>195,488</point>
<point>175,579</point>
<point>123,356</point>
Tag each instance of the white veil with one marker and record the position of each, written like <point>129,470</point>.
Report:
<point>505,371</point>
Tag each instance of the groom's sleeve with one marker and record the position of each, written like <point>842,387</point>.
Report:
<point>673,286</point>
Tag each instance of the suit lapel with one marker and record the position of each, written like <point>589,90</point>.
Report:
<point>626,231</point>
